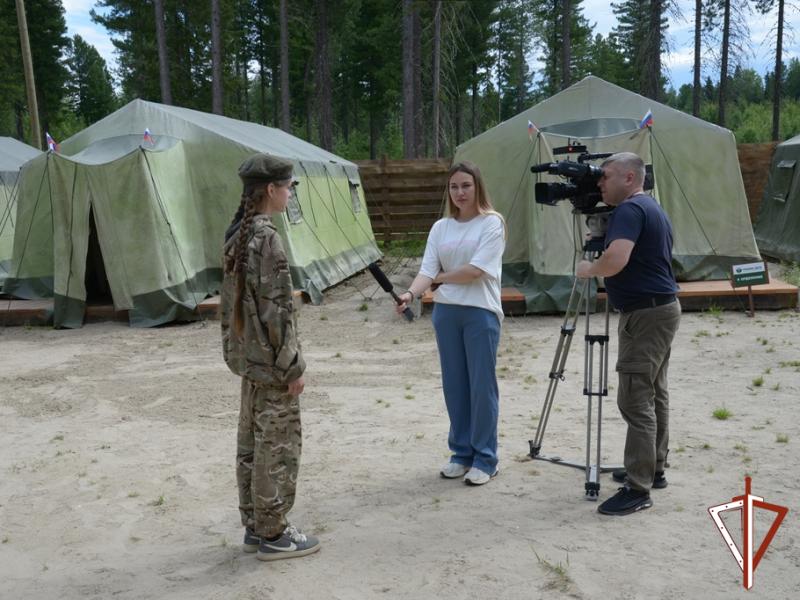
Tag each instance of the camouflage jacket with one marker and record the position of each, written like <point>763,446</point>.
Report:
<point>268,352</point>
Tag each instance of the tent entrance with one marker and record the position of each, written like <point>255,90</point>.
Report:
<point>97,289</point>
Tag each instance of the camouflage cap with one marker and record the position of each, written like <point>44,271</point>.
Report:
<point>263,167</point>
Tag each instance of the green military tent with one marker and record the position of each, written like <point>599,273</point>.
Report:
<point>778,222</point>
<point>13,154</point>
<point>140,217</point>
<point>697,177</point>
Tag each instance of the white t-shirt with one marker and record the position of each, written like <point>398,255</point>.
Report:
<point>479,242</point>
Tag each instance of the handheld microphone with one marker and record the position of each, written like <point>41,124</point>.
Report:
<point>387,286</point>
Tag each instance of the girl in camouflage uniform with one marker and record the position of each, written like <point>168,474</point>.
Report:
<point>259,343</point>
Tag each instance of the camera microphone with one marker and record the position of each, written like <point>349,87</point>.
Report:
<point>387,286</point>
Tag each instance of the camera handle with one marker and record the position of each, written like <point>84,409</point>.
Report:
<point>595,380</point>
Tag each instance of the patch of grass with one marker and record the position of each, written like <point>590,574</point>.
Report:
<point>323,317</point>
<point>419,436</point>
<point>710,469</point>
<point>158,501</point>
<point>409,396</point>
<point>702,333</point>
<point>530,379</point>
<point>395,341</point>
<point>402,248</point>
<point>363,307</point>
<point>790,363</point>
<point>408,386</point>
<point>680,449</point>
<point>740,447</point>
<point>722,413</point>
<point>706,446</point>
<point>776,387</point>
<point>337,355</point>
<point>5,540</point>
<point>58,438</point>
<point>135,539</point>
<point>758,381</point>
<point>561,579</point>
<point>133,494</point>
<point>791,273</point>
<point>782,438</point>
<point>768,370</point>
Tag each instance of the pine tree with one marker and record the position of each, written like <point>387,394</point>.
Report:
<point>91,91</point>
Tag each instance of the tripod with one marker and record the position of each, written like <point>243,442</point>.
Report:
<point>595,377</point>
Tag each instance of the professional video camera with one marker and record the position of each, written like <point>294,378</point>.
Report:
<point>582,188</point>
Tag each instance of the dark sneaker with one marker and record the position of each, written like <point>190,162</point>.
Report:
<point>659,482</point>
<point>625,502</point>
<point>292,543</point>
<point>251,541</point>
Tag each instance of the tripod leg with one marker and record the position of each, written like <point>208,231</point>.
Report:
<point>559,362</point>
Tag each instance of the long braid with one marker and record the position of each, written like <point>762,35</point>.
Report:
<point>240,258</point>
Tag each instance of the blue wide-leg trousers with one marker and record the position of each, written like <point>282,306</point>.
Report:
<point>467,337</point>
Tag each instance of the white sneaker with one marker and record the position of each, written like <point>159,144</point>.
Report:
<point>477,477</point>
<point>453,470</point>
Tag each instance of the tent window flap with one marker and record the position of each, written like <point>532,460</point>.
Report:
<point>783,180</point>
<point>354,198</point>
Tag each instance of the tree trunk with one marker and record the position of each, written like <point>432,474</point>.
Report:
<point>520,103</point>
<point>216,60</point>
<point>286,123</point>
<point>373,135</point>
<point>324,78</point>
<point>566,48</point>
<point>723,72</point>
<point>246,91</point>
<point>474,99</point>
<point>437,49</point>
<point>776,100</point>
<point>696,89</point>
<point>30,84</point>
<point>163,59</point>
<point>418,114</point>
<point>652,84</point>
<point>408,81</point>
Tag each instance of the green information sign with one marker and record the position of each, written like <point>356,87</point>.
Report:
<point>749,274</point>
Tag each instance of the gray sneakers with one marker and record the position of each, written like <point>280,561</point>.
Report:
<point>251,541</point>
<point>291,544</point>
<point>477,477</point>
<point>453,470</point>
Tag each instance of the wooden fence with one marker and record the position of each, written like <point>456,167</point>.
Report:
<point>754,160</point>
<point>405,197</point>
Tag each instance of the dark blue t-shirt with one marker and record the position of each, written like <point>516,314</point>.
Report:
<point>649,270</point>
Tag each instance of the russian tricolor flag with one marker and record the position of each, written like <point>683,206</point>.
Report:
<point>148,136</point>
<point>531,130</point>
<point>647,120</point>
<point>51,143</point>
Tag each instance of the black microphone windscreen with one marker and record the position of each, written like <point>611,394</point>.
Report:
<point>380,277</point>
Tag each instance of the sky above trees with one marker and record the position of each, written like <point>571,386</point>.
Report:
<point>597,12</point>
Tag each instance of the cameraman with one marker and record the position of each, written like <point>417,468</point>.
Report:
<point>637,267</point>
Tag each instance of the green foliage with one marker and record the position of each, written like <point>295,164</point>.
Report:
<point>722,413</point>
<point>91,92</point>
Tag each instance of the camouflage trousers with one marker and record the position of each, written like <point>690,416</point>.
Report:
<point>267,457</point>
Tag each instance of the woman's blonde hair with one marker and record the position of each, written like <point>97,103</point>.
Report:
<point>485,206</point>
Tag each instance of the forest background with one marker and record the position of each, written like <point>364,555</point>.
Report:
<point>402,78</point>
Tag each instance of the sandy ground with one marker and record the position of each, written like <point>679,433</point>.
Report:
<point>118,445</point>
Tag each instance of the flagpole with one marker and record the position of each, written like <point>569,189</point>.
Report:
<point>30,86</point>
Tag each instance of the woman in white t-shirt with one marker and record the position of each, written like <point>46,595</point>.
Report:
<point>463,262</point>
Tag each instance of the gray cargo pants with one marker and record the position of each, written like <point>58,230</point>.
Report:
<point>267,457</point>
<point>645,338</point>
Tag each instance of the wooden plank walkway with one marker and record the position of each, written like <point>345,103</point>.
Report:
<point>694,295</point>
